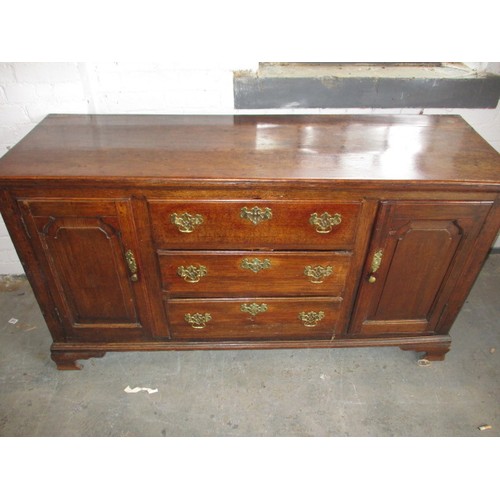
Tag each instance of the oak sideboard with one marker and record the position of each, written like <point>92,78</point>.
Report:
<point>152,232</point>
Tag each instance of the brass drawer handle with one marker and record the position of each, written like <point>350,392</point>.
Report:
<point>325,222</point>
<point>376,263</point>
<point>132,265</point>
<point>318,274</point>
<point>253,309</point>
<point>256,215</point>
<point>255,264</point>
<point>186,223</point>
<point>192,274</point>
<point>311,318</point>
<point>197,320</point>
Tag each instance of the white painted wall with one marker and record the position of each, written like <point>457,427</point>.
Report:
<point>29,91</point>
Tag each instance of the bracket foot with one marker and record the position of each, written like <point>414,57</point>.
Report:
<point>68,360</point>
<point>432,352</point>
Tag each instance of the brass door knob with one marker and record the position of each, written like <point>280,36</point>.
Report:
<point>372,279</point>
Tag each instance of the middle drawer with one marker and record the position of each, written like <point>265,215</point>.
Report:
<point>249,274</point>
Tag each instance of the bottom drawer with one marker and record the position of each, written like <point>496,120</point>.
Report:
<point>253,318</point>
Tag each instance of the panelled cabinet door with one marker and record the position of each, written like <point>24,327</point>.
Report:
<point>417,253</point>
<point>89,250</point>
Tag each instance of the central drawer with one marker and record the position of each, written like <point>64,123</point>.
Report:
<point>254,224</point>
<point>249,274</point>
<point>261,318</point>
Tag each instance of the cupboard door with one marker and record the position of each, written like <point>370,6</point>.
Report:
<point>416,257</point>
<point>89,253</point>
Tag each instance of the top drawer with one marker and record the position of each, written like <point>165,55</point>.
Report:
<point>254,224</point>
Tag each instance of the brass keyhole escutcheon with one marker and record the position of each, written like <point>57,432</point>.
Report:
<point>253,309</point>
<point>132,265</point>
<point>376,263</point>
<point>255,265</point>
<point>256,215</point>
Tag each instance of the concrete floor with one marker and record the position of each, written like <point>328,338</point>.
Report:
<point>316,392</point>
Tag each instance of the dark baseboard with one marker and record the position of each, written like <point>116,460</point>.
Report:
<point>260,91</point>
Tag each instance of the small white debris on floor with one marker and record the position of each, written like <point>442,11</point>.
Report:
<point>129,390</point>
<point>484,427</point>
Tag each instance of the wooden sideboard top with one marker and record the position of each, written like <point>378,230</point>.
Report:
<point>431,150</point>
